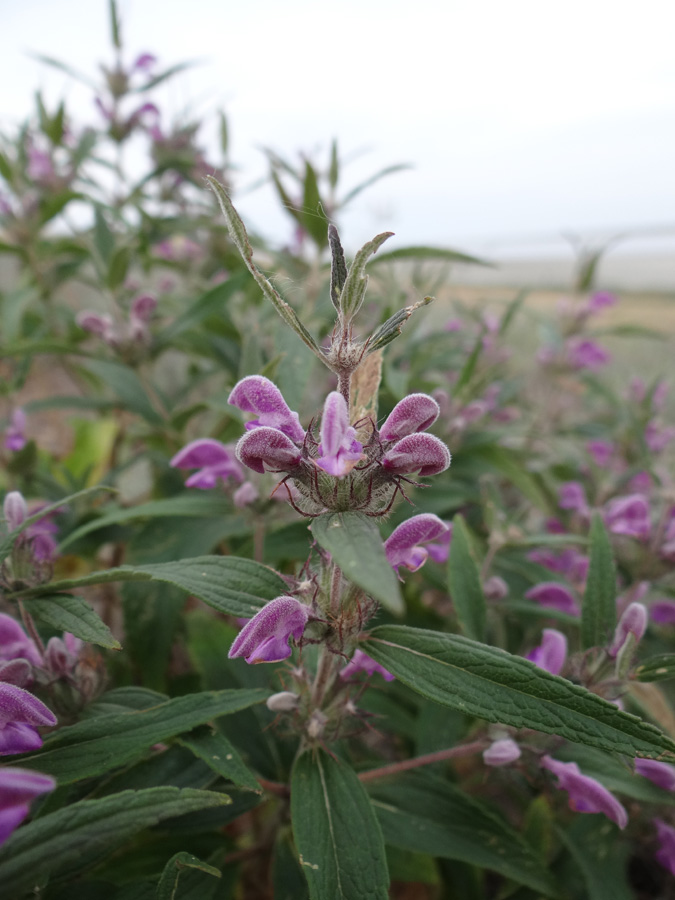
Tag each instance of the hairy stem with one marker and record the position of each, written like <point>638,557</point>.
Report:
<point>426,760</point>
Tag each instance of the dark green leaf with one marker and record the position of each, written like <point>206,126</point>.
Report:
<point>220,755</point>
<point>336,832</point>
<point>598,613</point>
<point>355,544</point>
<point>354,289</point>
<point>128,388</point>
<point>464,583</point>
<point>494,685</point>
<point>68,613</point>
<point>168,884</point>
<point>313,217</point>
<point>656,668</point>
<point>601,858</point>
<point>33,851</point>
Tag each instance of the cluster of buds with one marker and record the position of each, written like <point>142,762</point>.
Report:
<point>33,551</point>
<point>134,332</point>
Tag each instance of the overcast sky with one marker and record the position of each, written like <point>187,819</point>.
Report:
<point>520,117</point>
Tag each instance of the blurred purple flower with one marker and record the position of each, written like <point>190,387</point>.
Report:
<point>178,248</point>
<point>663,612</point>
<point>586,795</point>
<point>501,752</point>
<point>660,773</point>
<point>265,638</point>
<point>586,354</point>
<point>62,654</point>
<point>144,63</point>
<point>403,546</point>
<point>267,449</point>
<point>665,855</point>
<point>629,515</point>
<point>414,413</point>
<point>552,595</point>
<point>100,324</point>
<point>15,433</point>
<point>213,459</point>
<point>495,588</point>
<point>633,622</point>
<point>551,653</point>
<point>15,643</point>
<point>658,436</point>
<point>17,788</point>
<point>257,394</point>
<point>20,715</point>
<point>421,453</point>
<point>601,300</point>
<point>245,494</point>
<point>361,662</point>
<point>571,495</point>
<point>641,483</point>
<point>601,451</point>
<point>339,450</point>
<point>40,167</point>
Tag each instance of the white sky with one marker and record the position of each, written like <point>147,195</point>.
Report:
<point>521,117</point>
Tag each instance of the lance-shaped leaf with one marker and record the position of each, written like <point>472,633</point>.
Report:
<point>354,290</point>
<point>354,542</point>
<point>391,329</point>
<point>338,268</point>
<point>494,685</point>
<point>464,583</point>
<point>598,614</point>
<point>76,831</point>
<point>238,234</point>
<point>66,612</point>
<point>336,832</point>
<point>221,756</point>
<point>424,814</point>
<point>95,746</point>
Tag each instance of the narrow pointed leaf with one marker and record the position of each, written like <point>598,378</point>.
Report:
<point>443,254</point>
<point>354,288</point>
<point>391,329</point>
<point>656,668</point>
<point>313,217</point>
<point>337,835</point>
<point>464,583</point>
<point>355,544</point>
<point>598,613</point>
<point>221,756</point>
<point>66,612</point>
<point>492,684</point>
<point>167,887</point>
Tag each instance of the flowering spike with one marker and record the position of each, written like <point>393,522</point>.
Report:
<point>257,394</point>
<point>417,452</point>
<point>553,595</point>
<point>402,547</point>
<point>586,795</point>
<point>551,653</point>
<point>339,450</point>
<point>414,413</point>
<point>265,637</point>
<point>213,459</point>
<point>267,449</point>
<point>501,752</point>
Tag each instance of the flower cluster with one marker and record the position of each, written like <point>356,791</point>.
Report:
<point>134,332</point>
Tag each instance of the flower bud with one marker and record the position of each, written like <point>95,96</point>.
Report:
<point>501,752</point>
<point>15,510</point>
<point>632,622</point>
<point>267,449</point>
<point>495,588</point>
<point>284,701</point>
<point>414,413</point>
<point>421,453</point>
<point>551,653</point>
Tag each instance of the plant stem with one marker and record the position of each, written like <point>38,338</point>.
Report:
<point>426,760</point>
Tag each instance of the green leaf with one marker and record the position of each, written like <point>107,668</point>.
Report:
<point>229,584</point>
<point>421,813</point>
<point>115,25</point>
<point>656,668</point>
<point>354,290</point>
<point>128,388</point>
<point>239,236</point>
<point>48,843</point>
<point>389,170</point>
<point>313,217</point>
<point>336,832</point>
<point>104,239</point>
<point>212,302</point>
<point>168,883</point>
<point>354,542</point>
<point>601,858</point>
<point>68,613</point>
<point>391,329</point>
<point>513,467</point>
<point>220,755</point>
<point>494,685</point>
<point>598,613</point>
<point>95,746</point>
<point>443,254</point>
<point>464,582</point>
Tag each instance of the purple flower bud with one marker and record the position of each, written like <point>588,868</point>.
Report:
<point>571,495</point>
<point>553,595</point>
<point>144,63</point>
<point>633,621</point>
<point>99,324</point>
<point>361,662</point>
<point>665,855</point>
<point>245,494</point>
<point>257,394</point>
<point>501,752</point>
<point>143,307</point>
<point>585,354</point>
<point>600,300</point>
<point>267,449</point>
<point>660,773</point>
<point>17,788</point>
<point>61,656</point>
<point>15,435</point>
<point>213,459</point>
<point>339,450</point>
<point>663,612</point>
<point>20,714</point>
<point>601,451</point>
<point>586,795</point>
<point>402,547</point>
<point>629,515</point>
<point>414,413</point>
<point>16,671</point>
<point>265,638</point>
<point>551,653</point>
<point>15,643</point>
<point>14,510</point>
<point>495,588</point>
<point>417,452</point>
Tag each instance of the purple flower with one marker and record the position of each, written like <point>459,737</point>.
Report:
<point>20,715</point>
<point>265,638</point>
<point>414,413</point>
<point>665,855</point>
<point>421,453</point>
<point>178,248</point>
<point>629,515</point>
<point>15,643</point>
<point>17,788</point>
<point>257,394</point>
<point>585,354</point>
<point>267,449</point>
<point>339,450</point>
<point>660,773</point>
<point>40,167</point>
<point>402,547</point>
<point>501,752</point>
<point>601,300</point>
<point>15,434</point>
<point>658,436</point>
<point>213,459</point>
<point>245,494</point>
<point>62,654</point>
<point>633,621</point>
<point>663,612</point>
<point>586,795</point>
<point>100,324</point>
<point>41,535</point>
<point>571,495</point>
<point>144,63</point>
<point>570,563</point>
<point>361,662</point>
<point>553,595</point>
<point>601,451</point>
<point>16,671</point>
<point>551,653</point>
